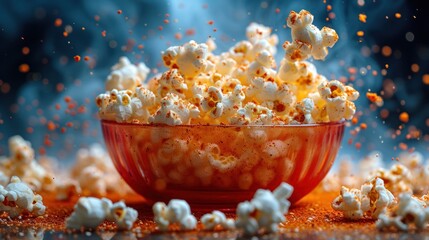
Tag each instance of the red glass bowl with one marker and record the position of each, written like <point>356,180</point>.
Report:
<point>215,166</point>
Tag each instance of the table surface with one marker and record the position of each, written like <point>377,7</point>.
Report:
<point>310,218</point>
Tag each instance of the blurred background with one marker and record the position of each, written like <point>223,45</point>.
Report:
<point>47,95</point>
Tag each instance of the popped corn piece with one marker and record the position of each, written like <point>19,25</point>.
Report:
<point>256,32</point>
<point>174,111</point>
<point>217,219</point>
<point>225,64</point>
<point>222,163</point>
<point>291,72</point>
<point>261,67</point>
<point>90,212</point>
<point>123,216</point>
<point>307,39</point>
<point>172,151</point>
<point>397,179</point>
<point>148,101</point>
<point>22,164</point>
<point>126,76</point>
<point>269,94</point>
<point>177,212</point>
<point>371,200</point>
<point>220,105</point>
<point>304,111</point>
<point>338,99</point>
<point>349,203</point>
<point>409,211</point>
<point>239,52</point>
<point>91,181</point>
<point>171,81</point>
<point>265,211</point>
<point>190,59</point>
<point>376,196</point>
<point>252,114</point>
<point>18,198</point>
<point>96,174</point>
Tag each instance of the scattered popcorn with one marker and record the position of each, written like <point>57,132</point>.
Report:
<point>17,198</point>
<point>126,76</point>
<point>397,179</point>
<point>177,213</point>
<point>409,211</point>
<point>22,164</point>
<point>90,212</point>
<point>240,86</point>
<point>265,211</point>
<point>95,174</point>
<point>216,219</point>
<point>371,200</point>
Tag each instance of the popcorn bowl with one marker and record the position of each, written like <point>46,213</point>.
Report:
<point>218,166</point>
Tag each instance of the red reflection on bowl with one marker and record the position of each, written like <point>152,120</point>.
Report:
<point>216,167</point>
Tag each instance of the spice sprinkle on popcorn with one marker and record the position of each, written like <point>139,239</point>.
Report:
<point>242,86</point>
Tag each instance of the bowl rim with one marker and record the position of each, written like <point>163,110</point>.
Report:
<point>306,125</point>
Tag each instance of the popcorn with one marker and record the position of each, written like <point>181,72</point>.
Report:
<point>269,94</point>
<point>126,76</point>
<point>409,211</point>
<point>256,32</point>
<point>220,105</point>
<point>397,179</point>
<point>371,200</point>
<point>22,164</point>
<point>265,211</point>
<point>96,174</point>
<point>174,111</point>
<point>338,99</point>
<point>307,39</point>
<point>190,59</point>
<point>200,87</point>
<point>177,212</point>
<point>252,114</point>
<point>261,67</point>
<point>171,82</point>
<point>17,198</point>
<point>216,219</point>
<point>90,212</point>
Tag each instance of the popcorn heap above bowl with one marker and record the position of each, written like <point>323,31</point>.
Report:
<point>237,87</point>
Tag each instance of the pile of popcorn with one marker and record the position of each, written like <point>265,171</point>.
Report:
<point>397,197</point>
<point>262,214</point>
<point>17,198</point>
<point>237,87</point>
<point>93,174</point>
<point>21,163</point>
